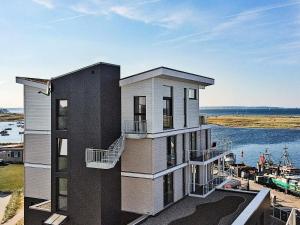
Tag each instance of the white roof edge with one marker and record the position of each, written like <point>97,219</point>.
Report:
<point>24,81</point>
<point>252,207</point>
<point>166,72</point>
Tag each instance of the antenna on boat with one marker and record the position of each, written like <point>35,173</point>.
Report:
<point>286,157</point>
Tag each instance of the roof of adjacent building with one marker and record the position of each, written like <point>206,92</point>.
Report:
<point>169,73</point>
<point>38,80</point>
<point>33,82</point>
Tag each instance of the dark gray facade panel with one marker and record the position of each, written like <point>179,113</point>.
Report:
<point>94,120</point>
<point>32,216</point>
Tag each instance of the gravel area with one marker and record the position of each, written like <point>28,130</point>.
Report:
<point>187,207</point>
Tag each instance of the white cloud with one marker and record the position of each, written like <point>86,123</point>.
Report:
<point>84,9</point>
<point>145,11</point>
<point>46,3</point>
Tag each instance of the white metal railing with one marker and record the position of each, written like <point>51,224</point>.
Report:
<point>204,155</point>
<point>135,127</point>
<point>105,158</point>
<point>294,217</point>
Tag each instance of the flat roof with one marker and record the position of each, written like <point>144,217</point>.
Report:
<point>33,82</point>
<point>168,73</point>
<point>220,207</point>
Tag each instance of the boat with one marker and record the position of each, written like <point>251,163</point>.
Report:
<point>230,159</point>
<point>4,133</point>
<point>8,128</point>
<point>288,183</point>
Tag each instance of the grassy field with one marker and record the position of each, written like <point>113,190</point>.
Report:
<point>10,117</point>
<point>11,177</point>
<point>279,122</point>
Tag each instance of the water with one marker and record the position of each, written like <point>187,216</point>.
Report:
<point>250,111</point>
<point>254,141</point>
<point>14,136</point>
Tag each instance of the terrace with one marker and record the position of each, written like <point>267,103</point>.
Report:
<point>221,207</point>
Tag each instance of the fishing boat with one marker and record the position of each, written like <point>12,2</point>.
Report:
<point>230,159</point>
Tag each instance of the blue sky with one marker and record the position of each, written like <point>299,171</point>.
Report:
<point>251,48</point>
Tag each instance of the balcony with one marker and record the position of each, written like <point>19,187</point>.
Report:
<point>135,129</point>
<point>205,189</point>
<point>203,120</point>
<point>167,122</point>
<point>211,154</point>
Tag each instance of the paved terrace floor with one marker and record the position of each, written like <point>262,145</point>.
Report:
<point>219,208</point>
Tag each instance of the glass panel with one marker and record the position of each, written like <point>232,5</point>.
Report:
<point>62,163</point>
<point>62,146</point>
<point>62,107</point>
<point>192,94</point>
<point>139,108</point>
<point>168,189</point>
<point>62,203</point>
<point>62,186</point>
<point>171,151</point>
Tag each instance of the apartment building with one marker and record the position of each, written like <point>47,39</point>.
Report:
<point>98,147</point>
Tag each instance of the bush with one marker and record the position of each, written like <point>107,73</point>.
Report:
<point>13,205</point>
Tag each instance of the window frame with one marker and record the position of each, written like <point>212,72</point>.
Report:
<point>171,151</point>
<point>58,195</point>
<point>58,115</point>
<point>194,92</point>
<point>58,156</point>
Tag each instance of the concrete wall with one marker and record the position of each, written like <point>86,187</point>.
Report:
<point>137,195</point>
<point>36,109</point>
<point>178,104</point>
<point>137,156</point>
<point>38,148</point>
<point>37,183</point>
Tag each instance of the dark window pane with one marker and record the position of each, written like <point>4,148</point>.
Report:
<point>61,114</point>
<point>62,186</point>
<point>171,151</point>
<point>62,203</point>
<point>139,108</point>
<point>62,163</point>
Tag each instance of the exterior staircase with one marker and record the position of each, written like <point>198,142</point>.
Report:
<point>105,158</point>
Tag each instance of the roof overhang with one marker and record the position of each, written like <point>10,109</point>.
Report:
<point>168,73</point>
<point>32,82</point>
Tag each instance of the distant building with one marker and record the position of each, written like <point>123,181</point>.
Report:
<point>100,149</point>
<point>11,154</point>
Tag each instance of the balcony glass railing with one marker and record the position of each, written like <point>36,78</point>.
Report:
<point>204,155</point>
<point>203,189</point>
<point>135,127</point>
<point>168,122</point>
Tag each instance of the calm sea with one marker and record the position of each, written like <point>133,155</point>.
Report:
<point>255,141</point>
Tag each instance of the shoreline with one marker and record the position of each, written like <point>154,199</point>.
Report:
<point>11,117</point>
<point>256,122</point>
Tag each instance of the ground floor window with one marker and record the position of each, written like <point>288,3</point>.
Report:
<point>62,194</point>
<point>168,189</point>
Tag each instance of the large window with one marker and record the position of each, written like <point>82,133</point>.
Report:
<point>193,94</point>
<point>61,114</point>
<point>62,194</point>
<point>62,153</point>
<point>193,145</point>
<point>168,107</point>
<point>171,151</point>
<point>139,113</point>
<point>168,189</point>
